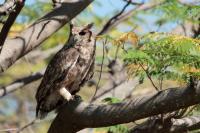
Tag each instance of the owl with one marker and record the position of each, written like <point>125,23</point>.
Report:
<point>68,70</point>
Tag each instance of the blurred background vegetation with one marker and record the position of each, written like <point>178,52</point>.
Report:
<point>144,44</point>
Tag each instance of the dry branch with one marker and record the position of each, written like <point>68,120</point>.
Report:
<point>133,3</point>
<point>20,83</point>
<point>122,16</point>
<point>117,81</point>
<point>10,21</point>
<point>114,18</point>
<point>170,126</point>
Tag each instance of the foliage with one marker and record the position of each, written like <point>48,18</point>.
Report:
<point>165,56</point>
<point>174,11</point>
<point>117,129</point>
<point>110,100</point>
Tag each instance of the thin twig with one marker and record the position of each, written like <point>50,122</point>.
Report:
<point>133,3</point>
<point>190,110</point>
<point>184,29</point>
<point>26,126</point>
<point>161,82</point>
<point>114,18</point>
<point>126,15</point>
<point>149,77</point>
<point>8,130</point>
<point>97,85</point>
<point>116,53</point>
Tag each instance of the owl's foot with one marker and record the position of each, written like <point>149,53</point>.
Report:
<point>65,94</point>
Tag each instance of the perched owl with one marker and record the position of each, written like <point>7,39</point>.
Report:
<point>69,69</point>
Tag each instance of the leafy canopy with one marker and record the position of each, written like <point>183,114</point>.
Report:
<point>165,56</point>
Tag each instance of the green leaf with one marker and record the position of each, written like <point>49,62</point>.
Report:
<point>110,100</point>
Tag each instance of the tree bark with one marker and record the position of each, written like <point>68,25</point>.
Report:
<point>77,115</point>
<point>172,125</point>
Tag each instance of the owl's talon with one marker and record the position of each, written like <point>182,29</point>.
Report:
<point>65,94</point>
<point>77,97</point>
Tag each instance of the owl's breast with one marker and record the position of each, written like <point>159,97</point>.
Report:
<point>82,62</point>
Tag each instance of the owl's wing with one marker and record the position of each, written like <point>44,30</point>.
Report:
<point>89,74</point>
<point>57,70</point>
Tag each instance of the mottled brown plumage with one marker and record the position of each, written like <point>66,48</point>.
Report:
<point>70,68</point>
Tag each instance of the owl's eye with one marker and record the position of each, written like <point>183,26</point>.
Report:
<point>82,33</point>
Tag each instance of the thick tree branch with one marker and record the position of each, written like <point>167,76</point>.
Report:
<point>20,83</point>
<point>10,21</point>
<point>185,124</point>
<point>81,115</point>
<point>7,7</point>
<point>39,31</point>
<point>42,55</point>
<point>168,126</point>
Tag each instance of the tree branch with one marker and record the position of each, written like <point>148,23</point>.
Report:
<point>114,18</point>
<point>10,21</point>
<point>185,124</point>
<point>169,126</point>
<point>81,115</point>
<point>117,81</point>
<point>187,3</point>
<point>7,7</point>
<point>133,3</point>
<point>122,16</point>
<point>20,83</point>
<point>39,31</point>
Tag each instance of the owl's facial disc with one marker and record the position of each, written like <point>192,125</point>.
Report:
<point>86,29</point>
<point>86,32</point>
<point>82,33</point>
<point>76,30</point>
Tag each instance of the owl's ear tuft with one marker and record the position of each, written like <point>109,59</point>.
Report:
<point>89,26</point>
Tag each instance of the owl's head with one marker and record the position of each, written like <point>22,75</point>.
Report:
<point>82,33</point>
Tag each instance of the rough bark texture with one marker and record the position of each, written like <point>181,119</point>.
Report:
<point>39,31</point>
<point>169,126</point>
<point>77,115</point>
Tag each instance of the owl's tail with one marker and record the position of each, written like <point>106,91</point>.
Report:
<point>44,107</point>
<point>40,114</point>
